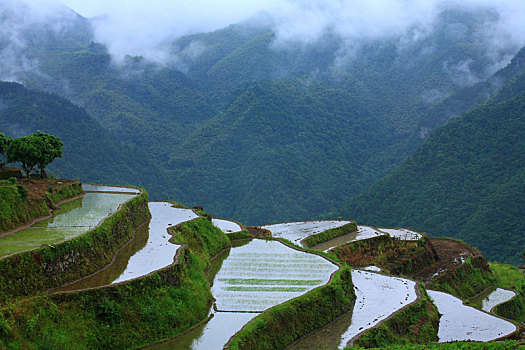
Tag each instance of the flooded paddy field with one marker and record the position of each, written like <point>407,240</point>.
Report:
<point>263,274</point>
<point>211,335</point>
<point>498,296</point>
<point>116,268</point>
<point>248,279</point>
<point>460,322</point>
<point>226,226</point>
<point>378,297</point>
<point>158,252</point>
<point>114,189</point>
<point>297,231</point>
<point>402,234</point>
<point>71,219</point>
<point>148,251</point>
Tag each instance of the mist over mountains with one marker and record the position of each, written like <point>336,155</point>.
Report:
<point>259,112</point>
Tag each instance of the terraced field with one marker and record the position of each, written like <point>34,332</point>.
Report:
<point>262,274</point>
<point>73,218</point>
<point>498,296</point>
<point>256,275</point>
<point>252,278</point>
<point>461,322</point>
<point>158,252</point>
<point>297,231</point>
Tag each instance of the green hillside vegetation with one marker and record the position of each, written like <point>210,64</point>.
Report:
<point>128,315</point>
<point>467,181</point>
<point>285,105</point>
<point>89,152</point>
<point>467,99</point>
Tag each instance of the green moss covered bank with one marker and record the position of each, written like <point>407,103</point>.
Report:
<point>327,235</point>
<point>17,209</point>
<point>131,314</point>
<point>466,280</point>
<point>35,271</point>
<point>283,324</point>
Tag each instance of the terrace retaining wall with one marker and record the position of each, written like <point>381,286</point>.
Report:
<point>50,266</point>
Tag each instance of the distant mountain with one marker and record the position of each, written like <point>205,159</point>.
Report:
<point>471,97</point>
<point>467,180</point>
<point>258,130</point>
<point>89,152</point>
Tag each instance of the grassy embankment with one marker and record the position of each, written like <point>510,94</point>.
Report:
<point>417,323</point>
<point>283,324</point>
<point>21,201</point>
<point>138,312</point>
<point>394,256</point>
<point>465,280</point>
<point>32,272</point>
<point>510,277</point>
<point>506,345</point>
<point>327,235</point>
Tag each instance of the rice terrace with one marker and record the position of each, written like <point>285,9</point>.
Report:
<point>297,285</point>
<point>262,175</point>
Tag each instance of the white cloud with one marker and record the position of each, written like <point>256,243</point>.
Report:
<point>138,27</point>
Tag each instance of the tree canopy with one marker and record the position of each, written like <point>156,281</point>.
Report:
<point>3,146</point>
<point>50,148</point>
<point>37,149</point>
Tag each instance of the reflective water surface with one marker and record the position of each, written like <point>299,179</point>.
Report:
<point>71,219</point>
<point>158,252</point>
<point>249,278</point>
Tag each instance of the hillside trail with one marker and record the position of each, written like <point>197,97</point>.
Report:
<point>450,253</point>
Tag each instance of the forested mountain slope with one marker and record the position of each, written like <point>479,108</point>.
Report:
<point>258,129</point>
<point>466,181</point>
<point>89,152</point>
<point>471,97</point>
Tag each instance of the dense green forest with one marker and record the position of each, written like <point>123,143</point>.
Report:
<point>258,132</point>
<point>248,128</point>
<point>467,181</point>
<point>89,152</point>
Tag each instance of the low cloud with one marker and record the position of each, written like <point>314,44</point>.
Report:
<point>23,25</point>
<point>135,28</point>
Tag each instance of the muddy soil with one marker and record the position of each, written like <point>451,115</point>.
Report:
<point>450,253</point>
